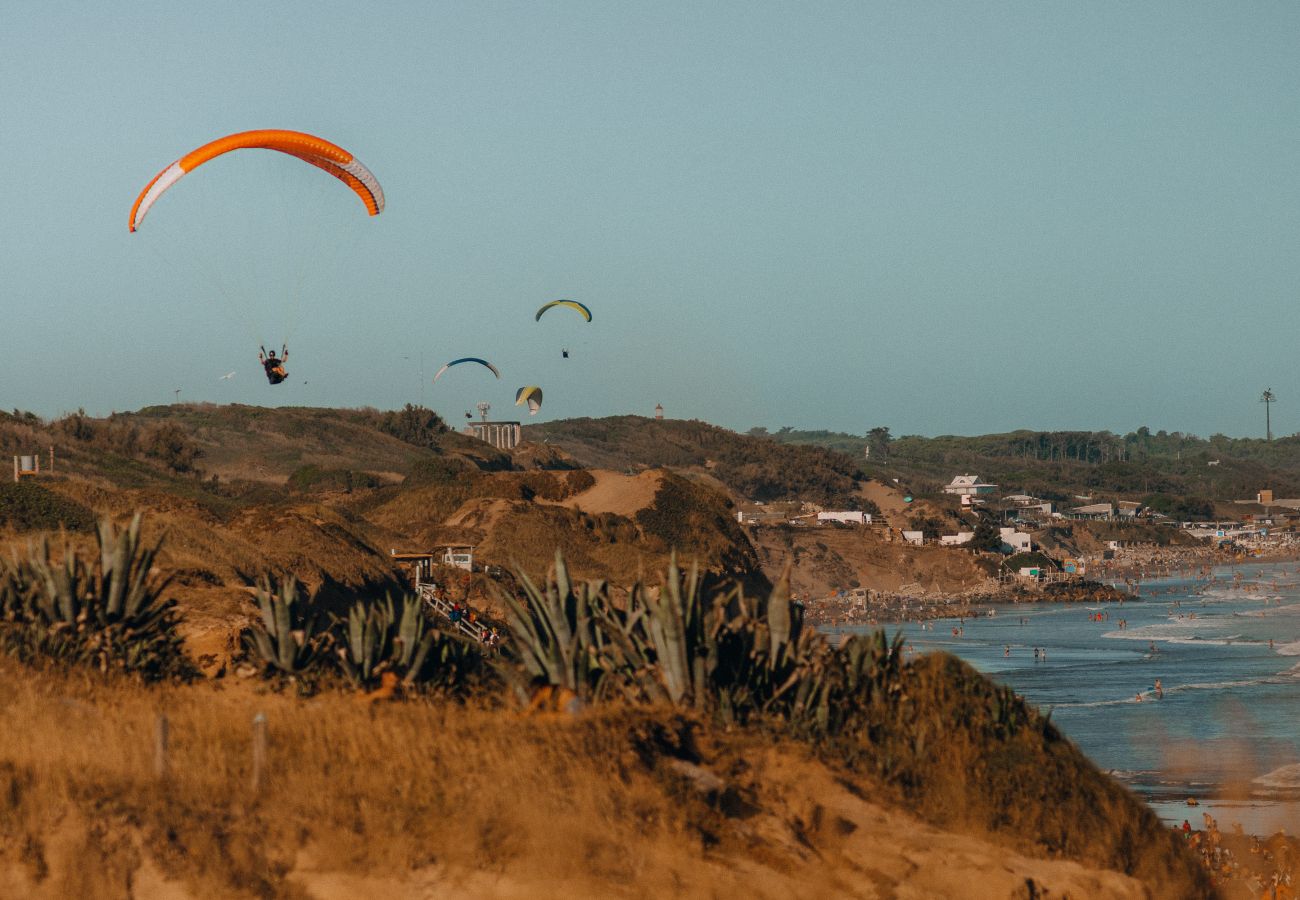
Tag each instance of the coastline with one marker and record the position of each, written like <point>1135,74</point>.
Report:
<point>1123,579</point>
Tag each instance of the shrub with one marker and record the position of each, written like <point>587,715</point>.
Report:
<point>440,470</point>
<point>109,614</point>
<point>987,539</point>
<point>27,506</point>
<point>172,446</point>
<point>414,425</point>
<point>315,479</point>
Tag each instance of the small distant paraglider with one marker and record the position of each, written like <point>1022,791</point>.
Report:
<point>580,308</point>
<point>468,359</point>
<point>532,395</point>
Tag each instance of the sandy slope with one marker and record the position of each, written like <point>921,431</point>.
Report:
<point>842,845</point>
<point>616,493</point>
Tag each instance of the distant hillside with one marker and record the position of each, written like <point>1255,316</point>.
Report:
<point>753,467</point>
<point>326,494</point>
<point>1187,470</point>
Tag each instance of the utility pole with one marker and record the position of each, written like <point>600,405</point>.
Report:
<point>177,392</point>
<point>1268,398</point>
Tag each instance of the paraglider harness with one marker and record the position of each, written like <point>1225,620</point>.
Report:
<point>274,367</point>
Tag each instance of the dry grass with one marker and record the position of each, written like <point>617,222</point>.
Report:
<point>423,799</point>
<point>374,788</point>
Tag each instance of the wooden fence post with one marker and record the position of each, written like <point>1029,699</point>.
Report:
<point>160,734</point>
<point>259,749</point>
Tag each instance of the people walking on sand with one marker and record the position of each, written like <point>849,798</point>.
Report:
<point>1035,654</point>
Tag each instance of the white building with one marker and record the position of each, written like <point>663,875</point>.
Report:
<point>969,486</point>
<point>914,537</point>
<point>460,556</point>
<point>955,540</point>
<point>1024,505</point>
<point>846,517</point>
<point>502,435</point>
<point>1093,511</point>
<point>1015,541</point>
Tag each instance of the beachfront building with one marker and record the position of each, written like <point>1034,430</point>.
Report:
<point>1015,541</point>
<point>969,486</point>
<point>845,517</point>
<point>1026,505</point>
<point>417,566</point>
<point>1093,511</point>
<point>1127,509</point>
<point>458,556</point>
<point>956,540</point>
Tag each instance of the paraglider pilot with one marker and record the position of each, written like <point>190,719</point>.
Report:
<point>274,365</point>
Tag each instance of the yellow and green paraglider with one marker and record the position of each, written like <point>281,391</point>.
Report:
<point>581,308</point>
<point>532,395</point>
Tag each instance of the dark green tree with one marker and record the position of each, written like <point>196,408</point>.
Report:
<point>986,539</point>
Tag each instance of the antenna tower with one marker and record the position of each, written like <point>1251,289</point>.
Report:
<point>1268,398</point>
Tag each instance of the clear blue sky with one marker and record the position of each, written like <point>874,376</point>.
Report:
<point>937,217</point>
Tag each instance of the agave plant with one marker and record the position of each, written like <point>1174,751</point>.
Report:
<point>852,690</point>
<point>378,639</point>
<point>286,635</point>
<point>109,613</point>
<point>555,637</point>
<point>735,655</point>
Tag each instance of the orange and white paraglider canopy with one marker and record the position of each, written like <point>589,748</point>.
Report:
<point>310,149</point>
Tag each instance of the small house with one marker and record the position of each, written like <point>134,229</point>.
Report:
<point>847,517</point>
<point>1093,511</point>
<point>1015,541</point>
<point>969,486</point>
<point>458,556</point>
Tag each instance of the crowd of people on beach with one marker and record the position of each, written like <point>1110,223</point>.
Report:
<point>1265,867</point>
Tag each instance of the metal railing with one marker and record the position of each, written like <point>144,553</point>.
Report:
<point>442,606</point>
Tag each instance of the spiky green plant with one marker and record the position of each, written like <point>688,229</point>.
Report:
<point>109,613</point>
<point>378,639</point>
<point>735,655</point>
<point>286,636</point>
<point>554,636</point>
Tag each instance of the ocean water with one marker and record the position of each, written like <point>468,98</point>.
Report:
<point>1226,731</point>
